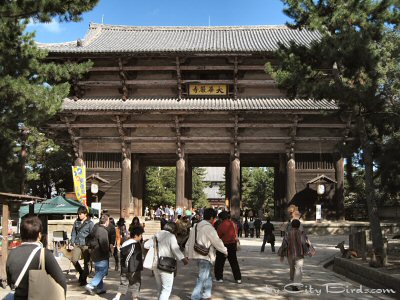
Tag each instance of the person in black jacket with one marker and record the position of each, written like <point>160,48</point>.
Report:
<point>31,229</point>
<point>100,255</point>
<point>131,265</point>
<point>112,234</point>
<point>269,236</point>
<point>83,225</point>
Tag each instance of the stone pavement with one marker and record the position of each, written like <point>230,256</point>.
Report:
<point>263,277</point>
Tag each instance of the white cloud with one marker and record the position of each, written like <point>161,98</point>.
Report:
<point>52,27</point>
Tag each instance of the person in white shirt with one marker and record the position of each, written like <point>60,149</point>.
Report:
<point>206,236</point>
<point>167,245</point>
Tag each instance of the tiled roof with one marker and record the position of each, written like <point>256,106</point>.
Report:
<point>212,39</point>
<point>193,104</point>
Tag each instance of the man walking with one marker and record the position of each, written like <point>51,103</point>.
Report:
<point>80,230</point>
<point>204,234</point>
<point>100,255</point>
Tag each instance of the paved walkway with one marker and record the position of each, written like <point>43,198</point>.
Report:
<point>263,276</point>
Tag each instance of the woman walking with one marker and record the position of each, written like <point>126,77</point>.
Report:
<point>165,245</point>
<point>227,231</point>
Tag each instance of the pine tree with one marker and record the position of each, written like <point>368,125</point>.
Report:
<point>31,88</point>
<point>355,63</point>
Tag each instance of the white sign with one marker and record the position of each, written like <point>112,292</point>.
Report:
<point>318,212</point>
<point>97,205</point>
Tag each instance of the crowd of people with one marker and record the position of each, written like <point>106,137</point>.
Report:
<point>205,237</point>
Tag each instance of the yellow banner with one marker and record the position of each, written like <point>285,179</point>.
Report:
<point>79,176</point>
<point>207,89</point>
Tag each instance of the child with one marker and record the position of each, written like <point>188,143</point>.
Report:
<point>131,264</point>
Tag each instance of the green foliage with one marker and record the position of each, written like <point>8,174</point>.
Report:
<point>198,195</point>
<point>258,188</point>
<point>161,185</point>
<point>48,166</point>
<point>31,88</point>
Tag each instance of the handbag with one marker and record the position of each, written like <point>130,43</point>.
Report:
<point>202,250</point>
<point>42,285</point>
<point>308,248</point>
<point>149,259</point>
<point>165,263</point>
<point>236,237</point>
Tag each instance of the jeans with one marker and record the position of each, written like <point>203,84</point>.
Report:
<point>130,284</point>
<point>77,252</point>
<point>296,268</point>
<point>164,281</point>
<point>101,268</point>
<point>204,280</point>
<point>232,258</point>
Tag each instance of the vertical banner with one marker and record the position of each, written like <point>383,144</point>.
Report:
<point>79,176</point>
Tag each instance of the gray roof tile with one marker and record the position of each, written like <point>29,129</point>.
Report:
<point>193,104</point>
<point>183,39</point>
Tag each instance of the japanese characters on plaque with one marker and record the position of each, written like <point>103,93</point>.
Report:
<point>208,89</point>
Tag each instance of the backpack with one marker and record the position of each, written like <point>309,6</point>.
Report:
<point>91,240</point>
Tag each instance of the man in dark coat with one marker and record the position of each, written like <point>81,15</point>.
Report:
<point>100,255</point>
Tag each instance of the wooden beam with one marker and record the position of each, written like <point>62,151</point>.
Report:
<point>163,124</point>
<point>183,68</point>
<point>4,248</point>
<point>172,82</point>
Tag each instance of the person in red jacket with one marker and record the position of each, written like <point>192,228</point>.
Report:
<point>227,231</point>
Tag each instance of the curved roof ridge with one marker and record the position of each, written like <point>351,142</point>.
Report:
<point>96,26</point>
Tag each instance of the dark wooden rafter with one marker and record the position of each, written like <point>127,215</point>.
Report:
<point>235,137</point>
<point>179,148</point>
<point>122,135</point>
<point>179,78</point>
<point>73,136</point>
<point>293,134</point>
<point>123,78</point>
<point>235,78</point>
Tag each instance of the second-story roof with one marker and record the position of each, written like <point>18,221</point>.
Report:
<point>102,38</point>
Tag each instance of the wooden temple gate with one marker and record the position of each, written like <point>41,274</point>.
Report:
<point>195,96</point>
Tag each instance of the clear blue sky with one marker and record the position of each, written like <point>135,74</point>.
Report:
<point>166,13</point>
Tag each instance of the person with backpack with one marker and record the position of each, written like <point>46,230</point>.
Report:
<point>131,265</point>
<point>100,253</point>
<point>83,225</point>
<point>112,236</point>
<point>31,234</point>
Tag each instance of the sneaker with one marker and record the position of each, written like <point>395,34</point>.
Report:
<point>219,280</point>
<point>100,292</point>
<point>90,289</point>
<point>238,281</point>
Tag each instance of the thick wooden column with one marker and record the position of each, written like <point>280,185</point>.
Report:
<point>137,186</point>
<point>189,184</point>
<point>339,189</point>
<point>180,183</point>
<point>228,193</point>
<point>290,179</point>
<point>126,195</point>
<point>4,232</point>
<point>282,187</point>
<point>235,188</point>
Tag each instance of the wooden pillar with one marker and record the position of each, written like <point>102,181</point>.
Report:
<point>137,187</point>
<point>282,187</point>
<point>189,184</point>
<point>228,193</point>
<point>290,179</point>
<point>277,206</point>
<point>339,189</point>
<point>4,232</point>
<point>126,195</point>
<point>235,188</point>
<point>140,191</point>
<point>180,183</point>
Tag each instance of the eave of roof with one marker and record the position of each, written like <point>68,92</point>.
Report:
<point>183,39</point>
<point>195,104</point>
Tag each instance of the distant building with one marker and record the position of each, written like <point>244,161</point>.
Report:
<point>214,177</point>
